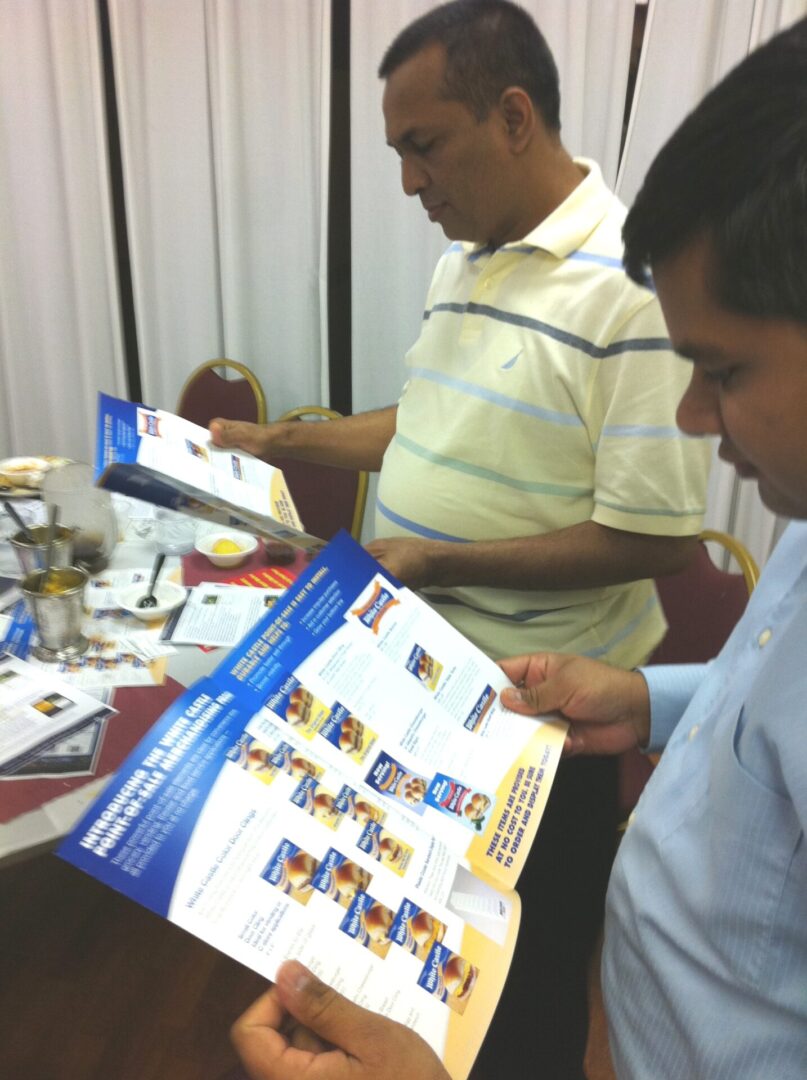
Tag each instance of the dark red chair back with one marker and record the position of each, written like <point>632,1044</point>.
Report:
<point>325,496</point>
<point>207,394</point>
<point>702,605</point>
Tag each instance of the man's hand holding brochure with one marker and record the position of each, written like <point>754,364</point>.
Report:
<point>158,457</point>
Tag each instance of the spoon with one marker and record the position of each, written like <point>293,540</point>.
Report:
<point>53,513</point>
<point>12,513</point>
<point>150,600</point>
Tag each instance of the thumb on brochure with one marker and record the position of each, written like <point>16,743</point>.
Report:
<point>325,1036</point>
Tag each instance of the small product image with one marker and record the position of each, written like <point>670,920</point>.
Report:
<point>237,467</point>
<point>390,778</point>
<point>197,451</point>
<point>424,667</point>
<point>289,760</point>
<point>416,930</point>
<point>299,708</point>
<point>148,423</point>
<point>483,705</point>
<point>292,870</point>
<point>386,848</point>
<point>455,799</point>
<point>358,808</point>
<point>369,923</point>
<point>339,878</point>
<point>448,977</point>
<point>254,758</point>
<point>316,800</point>
<point>52,704</point>
<point>347,733</point>
<point>380,601</point>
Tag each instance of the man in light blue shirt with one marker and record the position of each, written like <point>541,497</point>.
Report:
<point>705,963</point>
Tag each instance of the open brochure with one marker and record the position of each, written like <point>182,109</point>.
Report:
<point>37,712</point>
<point>345,789</point>
<point>152,455</point>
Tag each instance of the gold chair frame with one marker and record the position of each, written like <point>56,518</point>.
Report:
<point>233,365</point>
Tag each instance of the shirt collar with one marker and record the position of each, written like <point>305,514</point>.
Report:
<point>569,224</point>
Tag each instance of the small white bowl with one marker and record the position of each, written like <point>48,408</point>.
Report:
<point>246,544</point>
<point>168,595</point>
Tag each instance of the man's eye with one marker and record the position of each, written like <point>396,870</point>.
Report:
<point>423,148</point>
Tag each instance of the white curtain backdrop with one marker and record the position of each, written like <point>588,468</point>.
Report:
<point>59,321</point>
<point>688,47</point>
<point>394,246</point>
<point>223,108</point>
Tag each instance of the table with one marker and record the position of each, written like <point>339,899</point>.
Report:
<point>36,812</point>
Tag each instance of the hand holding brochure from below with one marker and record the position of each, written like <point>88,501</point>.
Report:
<point>152,455</point>
<point>345,789</point>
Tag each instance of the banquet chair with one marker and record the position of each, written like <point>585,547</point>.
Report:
<point>702,604</point>
<point>211,391</point>
<point>327,498</point>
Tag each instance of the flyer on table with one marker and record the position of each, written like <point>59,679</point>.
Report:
<point>346,789</point>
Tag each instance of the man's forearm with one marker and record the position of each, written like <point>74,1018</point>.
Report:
<point>351,442</point>
<point>582,556</point>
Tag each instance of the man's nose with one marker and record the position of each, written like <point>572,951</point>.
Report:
<point>699,409</point>
<point>413,176</point>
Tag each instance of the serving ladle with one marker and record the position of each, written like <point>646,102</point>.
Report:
<point>150,600</point>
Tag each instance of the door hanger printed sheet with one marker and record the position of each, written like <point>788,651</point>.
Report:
<point>345,789</point>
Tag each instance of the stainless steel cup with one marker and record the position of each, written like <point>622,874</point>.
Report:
<point>31,557</point>
<point>57,612</point>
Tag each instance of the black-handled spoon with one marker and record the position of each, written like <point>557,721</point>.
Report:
<point>12,513</point>
<point>150,600</point>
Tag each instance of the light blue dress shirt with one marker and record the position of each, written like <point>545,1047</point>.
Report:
<point>705,961</point>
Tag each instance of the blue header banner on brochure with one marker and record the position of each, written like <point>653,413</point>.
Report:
<point>312,609</point>
<point>117,438</point>
<point>134,837</point>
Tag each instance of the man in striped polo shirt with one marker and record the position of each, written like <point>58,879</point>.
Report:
<point>533,480</point>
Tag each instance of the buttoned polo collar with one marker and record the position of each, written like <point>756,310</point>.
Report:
<point>570,224</point>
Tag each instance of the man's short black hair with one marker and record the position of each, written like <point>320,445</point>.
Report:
<point>735,171</point>
<point>490,45</point>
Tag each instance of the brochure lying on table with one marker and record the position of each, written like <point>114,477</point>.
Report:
<point>218,614</point>
<point>38,711</point>
<point>346,789</point>
<point>152,455</point>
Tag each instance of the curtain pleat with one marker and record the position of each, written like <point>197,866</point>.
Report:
<point>223,118</point>
<point>60,338</point>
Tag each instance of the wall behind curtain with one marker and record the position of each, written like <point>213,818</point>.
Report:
<point>59,318</point>
<point>690,46</point>
<point>223,111</point>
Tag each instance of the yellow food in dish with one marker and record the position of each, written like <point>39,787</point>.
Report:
<point>225,547</point>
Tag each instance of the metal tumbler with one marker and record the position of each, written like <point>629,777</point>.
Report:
<point>57,611</point>
<point>31,557</point>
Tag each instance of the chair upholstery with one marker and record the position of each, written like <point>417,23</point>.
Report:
<point>207,394</point>
<point>327,498</point>
<point>702,605</point>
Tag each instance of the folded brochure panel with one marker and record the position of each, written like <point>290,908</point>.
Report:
<point>152,455</point>
<point>325,795</point>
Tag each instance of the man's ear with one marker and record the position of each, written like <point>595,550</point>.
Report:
<point>518,113</point>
